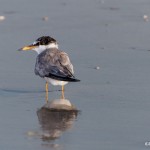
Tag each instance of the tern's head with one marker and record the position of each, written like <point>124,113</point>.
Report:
<point>41,44</point>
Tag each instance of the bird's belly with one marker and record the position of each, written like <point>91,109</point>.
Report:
<point>55,82</point>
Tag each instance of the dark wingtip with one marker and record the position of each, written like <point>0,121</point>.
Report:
<point>60,78</point>
<point>77,80</point>
<point>71,79</point>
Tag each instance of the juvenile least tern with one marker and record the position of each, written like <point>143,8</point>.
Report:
<point>52,64</point>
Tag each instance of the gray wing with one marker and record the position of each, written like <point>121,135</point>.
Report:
<point>53,63</point>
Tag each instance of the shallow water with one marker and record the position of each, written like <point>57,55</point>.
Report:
<point>114,100</point>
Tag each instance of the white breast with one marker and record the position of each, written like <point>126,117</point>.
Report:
<point>55,82</point>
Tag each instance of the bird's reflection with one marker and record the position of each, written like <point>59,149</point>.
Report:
<point>55,122</point>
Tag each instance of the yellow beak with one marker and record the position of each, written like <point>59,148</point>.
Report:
<point>26,48</point>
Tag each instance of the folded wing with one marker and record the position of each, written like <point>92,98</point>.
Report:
<point>54,64</point>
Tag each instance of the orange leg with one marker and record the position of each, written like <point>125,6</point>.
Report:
<point>46,89</point>
<point>62,90</point>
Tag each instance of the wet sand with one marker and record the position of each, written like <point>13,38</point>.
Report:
<point>114,99</point>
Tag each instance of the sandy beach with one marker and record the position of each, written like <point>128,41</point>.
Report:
<point>108,42</point>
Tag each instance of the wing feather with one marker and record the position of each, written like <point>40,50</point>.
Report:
<point>54,63</point>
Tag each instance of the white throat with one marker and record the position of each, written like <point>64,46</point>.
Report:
<point>42,48</point>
